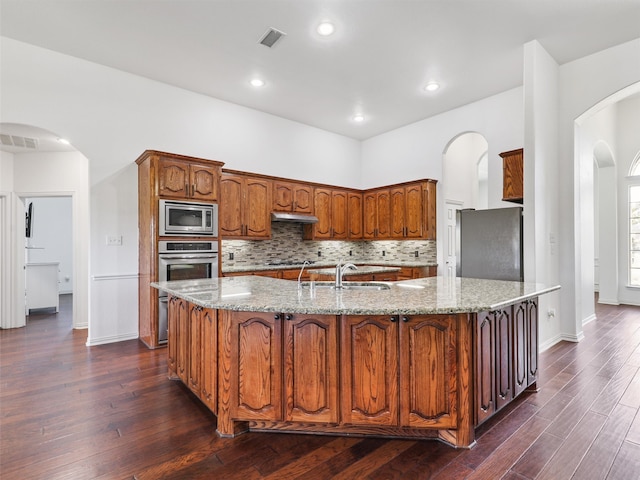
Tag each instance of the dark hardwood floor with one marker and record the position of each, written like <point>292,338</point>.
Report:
<point>109,412</point>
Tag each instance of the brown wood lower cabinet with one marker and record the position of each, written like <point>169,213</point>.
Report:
<point>506,356</point>
<point>192,354</point>
<point>425,376</point>
<point>399,370</point>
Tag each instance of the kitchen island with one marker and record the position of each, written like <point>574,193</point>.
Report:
<point>427,358</point>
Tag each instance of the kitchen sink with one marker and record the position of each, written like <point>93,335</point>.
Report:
<point>349,285</point>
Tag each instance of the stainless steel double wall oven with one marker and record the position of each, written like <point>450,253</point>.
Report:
<point>186,258</point>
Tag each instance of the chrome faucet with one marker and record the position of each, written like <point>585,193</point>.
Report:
<point>306,262</point>
<point>340,269</point>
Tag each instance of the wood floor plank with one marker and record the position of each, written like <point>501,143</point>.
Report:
<point>601,454</point>
<point>567,458</point>
<point>626,466</point>
<point>68,411</point>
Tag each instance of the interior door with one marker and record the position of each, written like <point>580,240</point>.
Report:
<point>450,260</point>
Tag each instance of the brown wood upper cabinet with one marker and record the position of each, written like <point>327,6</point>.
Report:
<point>402,211</point>
<point>245,207</point>
<point>513,175</point>
<point>292,197</point>
<point>406,211</point>
<point>187,180</point>
<point>331,208</point>
<point>377,214</point>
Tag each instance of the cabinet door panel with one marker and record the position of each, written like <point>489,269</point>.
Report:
<point>370,370</point>
<point>195,317</point>
<point>532,340</point>
<point>282,197</point>
<point>204,182</point>
<point>370,215</point>
<point>428,381</point>
<point>383,203</point>
<point>413,211</point>
<point>322,206</point>
<point>397,220</point>
<point>209,359</point>
<point>182,357</point>
<point>255,209</point>
<point>173,312</point>
<point>311,362</point>
<point>355,215</point>
<point>504,376</point>
<point>302,199</point>
<point>230,215</point>
<point>520,343</point>
<point>339,214</point>
<point>256,379</point>
<point>173,178</point>
<point>485,367</point>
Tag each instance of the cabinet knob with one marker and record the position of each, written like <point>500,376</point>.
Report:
<point>276,316</point>
<point>288,316</point>
<point>394,319</point>
<point>405,319</point>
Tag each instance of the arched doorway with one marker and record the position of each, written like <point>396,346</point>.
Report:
<point>36,164</point>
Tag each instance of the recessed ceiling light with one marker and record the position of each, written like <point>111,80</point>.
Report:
<point>432,86</point>
<point>326,28</point>
<point>358,117</point>
<point>257,82</point>
<point>64,141</point>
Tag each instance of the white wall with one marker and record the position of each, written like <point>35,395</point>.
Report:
<point>541,184</point>
<point>51,236</point>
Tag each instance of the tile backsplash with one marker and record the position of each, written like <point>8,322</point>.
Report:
<point>286,244</point>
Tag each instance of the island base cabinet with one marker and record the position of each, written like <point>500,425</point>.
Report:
<point>254,358</point>
<point>369,370</point>
<point>506,356</point>
<point>428,372</point>
<point>192,353</point>
<point>311,368</point>
<point>400,371</point>
<point>277,368</point>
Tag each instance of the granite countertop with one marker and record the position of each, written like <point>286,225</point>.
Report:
<point>433,295</point>
<point>325,264</point>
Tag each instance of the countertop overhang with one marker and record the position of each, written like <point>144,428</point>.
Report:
<point>423,296</point>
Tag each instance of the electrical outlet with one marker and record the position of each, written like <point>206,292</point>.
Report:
<point>319,253</point>
<point>114,240</point>
<point>415,254</point>
<point>350,253</point>
<point>551,313</point>
<point>383,253</point>
<point>230,255</point>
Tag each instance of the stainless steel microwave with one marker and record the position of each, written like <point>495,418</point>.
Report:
<point>188,218</point>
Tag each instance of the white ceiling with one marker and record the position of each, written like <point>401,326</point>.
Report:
<point>377,62</point>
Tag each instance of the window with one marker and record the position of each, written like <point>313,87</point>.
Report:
<point>634,222</point>
<point>634,235</point>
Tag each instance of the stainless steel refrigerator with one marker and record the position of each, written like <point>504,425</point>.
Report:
<point>489,244</point>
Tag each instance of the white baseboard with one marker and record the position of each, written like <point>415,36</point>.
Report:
<point>111,339</point>
<point>606,301</point>
<point>589,319</point>
<point>550,343</point>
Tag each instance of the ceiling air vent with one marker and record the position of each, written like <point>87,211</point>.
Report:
<point>18,141</point>
<point>271,36</point>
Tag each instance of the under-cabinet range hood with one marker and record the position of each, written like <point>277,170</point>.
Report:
<point>293,217</point>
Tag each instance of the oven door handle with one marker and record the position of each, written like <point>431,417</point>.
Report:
<point>187,257</point>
